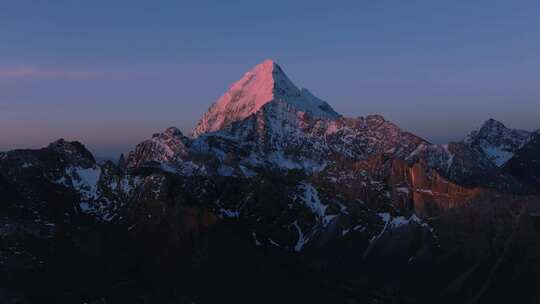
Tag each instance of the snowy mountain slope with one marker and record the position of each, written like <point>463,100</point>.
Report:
<point>497,141</point>
<point>477,161</point>
<point>256,132</point>
<point>168,150</point>
<point>262,125</point>
<point>264,84</point>
<point>167,146</point>
<point>266,121</point>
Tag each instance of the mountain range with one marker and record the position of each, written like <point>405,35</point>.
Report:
<point>276,197</point>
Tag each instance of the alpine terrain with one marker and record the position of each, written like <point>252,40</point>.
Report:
<point>275,197</point>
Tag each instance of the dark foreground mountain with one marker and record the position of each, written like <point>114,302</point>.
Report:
<point>275,198</point>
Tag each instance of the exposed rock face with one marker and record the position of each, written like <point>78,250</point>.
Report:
<point>168,147</point>
<point>279,136</point>
<point>466,164</point>
<point>72,152</point>
<point>62,162</point>
<point>525,164</point>
<point>362,138</point>
<point>429,192</point>
<point>59,154</point>
<point>497,141</point>
<point>122,162</point>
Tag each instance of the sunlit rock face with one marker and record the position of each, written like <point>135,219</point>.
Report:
<point>168,146</point>
<point>426,190</point>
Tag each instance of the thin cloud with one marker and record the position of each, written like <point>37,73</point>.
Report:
<point>18,72</point>
<point>30,72</point>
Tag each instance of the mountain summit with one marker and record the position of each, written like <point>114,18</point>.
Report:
<point>497,141</point>
<point>262,85</point>
<point>265,122</point>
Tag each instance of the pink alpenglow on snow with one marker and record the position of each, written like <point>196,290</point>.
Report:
<point>264,84</point>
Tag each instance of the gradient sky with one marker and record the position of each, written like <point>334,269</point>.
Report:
<point>111,73</point>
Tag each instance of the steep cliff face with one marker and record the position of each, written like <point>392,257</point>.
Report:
<point>467,165</point>
<point>426,190</point>
<point>525,163</point>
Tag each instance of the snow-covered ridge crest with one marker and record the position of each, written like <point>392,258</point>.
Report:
<point>264,84</point>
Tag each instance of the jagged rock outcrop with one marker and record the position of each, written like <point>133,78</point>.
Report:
<point>497,141</point>
<point>63,163</point>
<point>168,146</point>
<point>467,163</point>
<point>426,190</point>
<point>122,162</point>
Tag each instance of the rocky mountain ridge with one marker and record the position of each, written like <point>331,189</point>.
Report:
<point>497,141</point>
<point>279,131</point>
<point>274,179</point>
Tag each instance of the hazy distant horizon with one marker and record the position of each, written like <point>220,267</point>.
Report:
<point>111,74</point>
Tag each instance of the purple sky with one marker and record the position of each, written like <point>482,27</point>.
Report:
<point>111,75</point>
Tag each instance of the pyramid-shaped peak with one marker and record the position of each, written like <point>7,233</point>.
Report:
<point>489,128</point>
<point>494,133</point>
<point>492,124</point>
<point>492,129</point>
<point>263,80</point>
<point>267,64</point>
<point>265,83</point>
<point>270,67</point>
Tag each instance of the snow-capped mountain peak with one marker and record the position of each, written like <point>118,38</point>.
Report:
<point>263,84</point>
<point>497,141</point>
